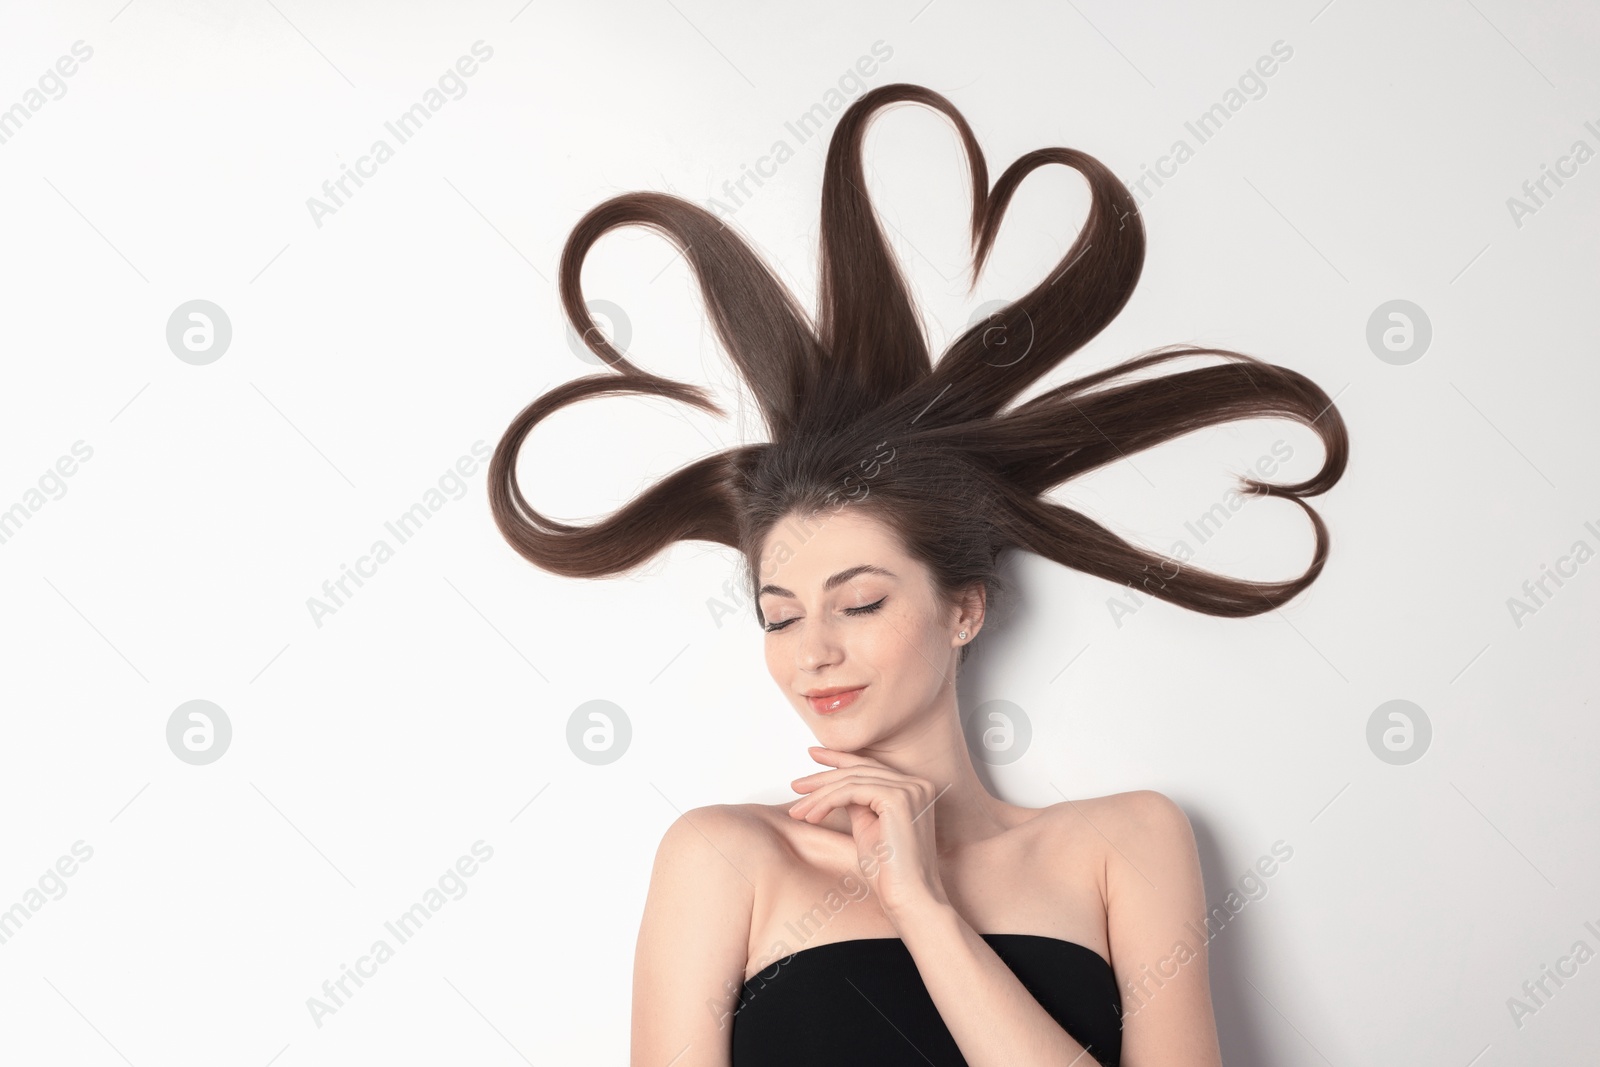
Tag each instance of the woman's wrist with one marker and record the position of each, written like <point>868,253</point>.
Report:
<point>922,913</point>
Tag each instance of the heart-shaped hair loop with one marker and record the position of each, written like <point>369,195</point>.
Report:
<point>857,412</point>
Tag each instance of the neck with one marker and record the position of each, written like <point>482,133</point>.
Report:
<point>936,749</point>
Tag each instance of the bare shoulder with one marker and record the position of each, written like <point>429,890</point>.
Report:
<point>1119,817</point>
<point>1147,812</point>
<point>1135,835</point>
<point>1156,924</point>
<point>774,825</point>
<point>690,956</point>
<point>724,821</point>
<point>741,835</point>
<point>1155,831</point>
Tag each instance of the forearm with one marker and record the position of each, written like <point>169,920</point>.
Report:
<point>994,1019</point>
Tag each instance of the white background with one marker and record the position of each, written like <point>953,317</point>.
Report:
<point>430,710</point>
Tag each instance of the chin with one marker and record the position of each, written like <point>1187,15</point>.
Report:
<point>844,736</point>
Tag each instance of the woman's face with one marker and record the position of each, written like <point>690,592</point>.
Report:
<point>846,608</point>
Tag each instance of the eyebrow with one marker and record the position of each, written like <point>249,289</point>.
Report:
<point>834,582</point>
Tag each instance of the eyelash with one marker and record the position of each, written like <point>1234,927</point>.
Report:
<point>866,609</point>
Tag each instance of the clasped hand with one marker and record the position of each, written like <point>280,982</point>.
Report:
<point>891,819</point>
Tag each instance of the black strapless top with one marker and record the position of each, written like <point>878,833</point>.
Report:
<point>808,1013</point>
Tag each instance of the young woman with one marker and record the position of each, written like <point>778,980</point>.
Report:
<point>900,913</point>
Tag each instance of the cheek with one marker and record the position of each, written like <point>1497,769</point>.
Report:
<point>899,644</point>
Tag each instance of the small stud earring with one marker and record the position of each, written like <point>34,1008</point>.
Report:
<point>962,635</point>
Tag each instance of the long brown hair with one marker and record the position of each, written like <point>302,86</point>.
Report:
<point>859,415</point>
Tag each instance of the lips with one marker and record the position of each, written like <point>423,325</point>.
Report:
<point>835,700</point>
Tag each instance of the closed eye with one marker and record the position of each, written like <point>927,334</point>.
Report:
<point>866,609</point>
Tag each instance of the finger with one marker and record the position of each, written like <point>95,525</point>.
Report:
<point>861,818</point>
<point>810,803</point>
<point>879,796</point>
<point>832,778</point>
<point>839,758</point>
<point>812,781</point>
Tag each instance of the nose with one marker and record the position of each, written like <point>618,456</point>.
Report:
<point>819,646</point>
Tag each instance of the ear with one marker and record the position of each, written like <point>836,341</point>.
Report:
<point>971,612</point>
